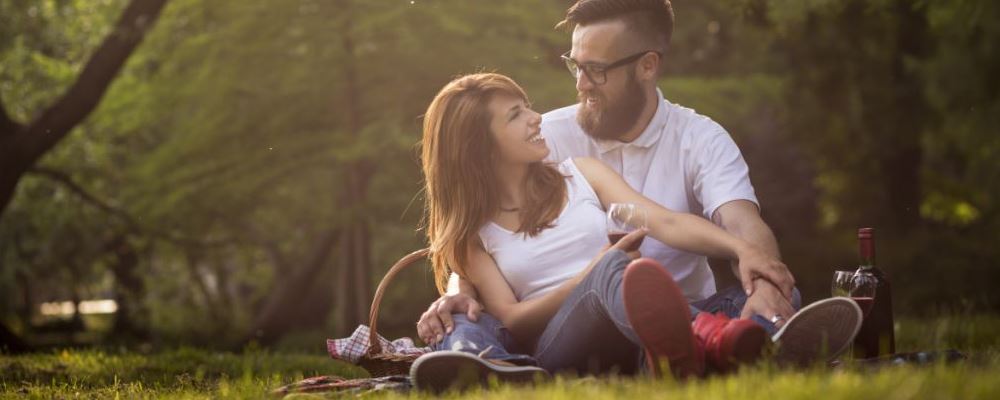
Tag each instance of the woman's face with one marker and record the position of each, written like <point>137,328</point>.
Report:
<point>516,129</point>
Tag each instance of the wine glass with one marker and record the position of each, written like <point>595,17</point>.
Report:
<point>624,218</point>
<point>841,285</point>
<point>863,284</point>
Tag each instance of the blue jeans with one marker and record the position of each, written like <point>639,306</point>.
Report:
<point>590,333</point>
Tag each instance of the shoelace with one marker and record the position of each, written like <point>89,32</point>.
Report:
<point>708,331</point>
<point>482,354</point>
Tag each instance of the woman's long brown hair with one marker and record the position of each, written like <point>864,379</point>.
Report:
<point>459,161</point>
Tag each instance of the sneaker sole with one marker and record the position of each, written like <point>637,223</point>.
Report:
<point>821,330</point>
<point>659,314</point>
<point>440,371</point>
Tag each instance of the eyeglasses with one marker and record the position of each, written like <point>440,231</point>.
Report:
<point>598,73</point>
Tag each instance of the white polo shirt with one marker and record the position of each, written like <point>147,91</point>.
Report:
<point>682,160</point>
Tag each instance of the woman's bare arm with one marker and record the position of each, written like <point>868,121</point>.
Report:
<point>677,229</point>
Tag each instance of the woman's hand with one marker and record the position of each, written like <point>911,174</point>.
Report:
<point>623,244</point>
<point>632,239</point>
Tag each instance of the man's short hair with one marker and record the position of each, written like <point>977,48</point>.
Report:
<point>652,20</point>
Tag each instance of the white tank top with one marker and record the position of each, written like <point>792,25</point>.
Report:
<point>533,266</point>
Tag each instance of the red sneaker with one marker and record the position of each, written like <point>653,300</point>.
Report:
<point>728,343</point>
<point>660,316</point>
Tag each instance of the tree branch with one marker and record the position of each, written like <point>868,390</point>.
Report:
<point>22,149</point>
<point>7,125</point>
<point>133,225</point>
<point>81,98</point>
<point>64,179</point>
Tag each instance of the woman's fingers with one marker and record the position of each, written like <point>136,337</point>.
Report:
<point>631,240</point>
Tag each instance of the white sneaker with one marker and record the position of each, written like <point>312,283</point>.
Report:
<point>820,331</point>
<point>443,370</point>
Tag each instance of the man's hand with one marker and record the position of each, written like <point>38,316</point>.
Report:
<point>767,301</point>
<point>755,264</point>
<point>741,218</point>
<point>437,322</point>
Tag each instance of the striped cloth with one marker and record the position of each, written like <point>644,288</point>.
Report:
<point>351,348</point>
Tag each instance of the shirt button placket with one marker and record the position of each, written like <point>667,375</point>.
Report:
<point>628,167</point>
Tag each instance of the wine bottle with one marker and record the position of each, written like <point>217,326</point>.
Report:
<point>877,336</point>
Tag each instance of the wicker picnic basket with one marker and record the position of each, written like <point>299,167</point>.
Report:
<point>376,361</point>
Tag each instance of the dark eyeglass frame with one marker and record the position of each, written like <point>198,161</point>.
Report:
<point>598,73</point>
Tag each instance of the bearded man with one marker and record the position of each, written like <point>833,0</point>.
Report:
<point>671,154</point>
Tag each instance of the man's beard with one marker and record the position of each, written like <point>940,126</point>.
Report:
<point>612,118</point>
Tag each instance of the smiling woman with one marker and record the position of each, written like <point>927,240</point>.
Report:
<point>477,125</point>
<point>516,130</point>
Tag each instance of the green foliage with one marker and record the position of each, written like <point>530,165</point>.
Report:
<point>962,169</point>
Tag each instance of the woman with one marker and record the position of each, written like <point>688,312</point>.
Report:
<point>529,236</point>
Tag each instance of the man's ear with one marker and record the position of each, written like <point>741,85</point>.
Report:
<point>649,66</point>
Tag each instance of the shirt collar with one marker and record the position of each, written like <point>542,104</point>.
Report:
<point>648,137</point>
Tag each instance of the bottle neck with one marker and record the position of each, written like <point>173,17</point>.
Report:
<point>866,249</point>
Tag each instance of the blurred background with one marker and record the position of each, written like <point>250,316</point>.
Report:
<point>252,172</point>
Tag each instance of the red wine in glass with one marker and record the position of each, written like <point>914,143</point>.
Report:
<point>624,218</point>
<point>614,237</point>
<point>865,303</point>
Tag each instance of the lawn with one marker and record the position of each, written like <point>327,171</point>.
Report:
<point>194,373</point>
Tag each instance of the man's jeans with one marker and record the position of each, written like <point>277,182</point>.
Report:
<point>590,333</point>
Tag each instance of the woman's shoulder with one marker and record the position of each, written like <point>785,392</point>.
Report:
<point>585,173</point>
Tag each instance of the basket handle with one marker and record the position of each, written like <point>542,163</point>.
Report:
<point>374,347</point>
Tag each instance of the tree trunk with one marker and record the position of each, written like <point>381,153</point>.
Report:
<point>26,309</point>
<point>903,165</point>
<point>279,310</point>
<point>192,259</point>
<point>129,289</point>
<point>353,295</point>
<point>10,342</point>
<point>354,289</point>
<point>22,145</point>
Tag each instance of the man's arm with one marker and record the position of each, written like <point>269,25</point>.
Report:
<point>460,297</point>
<point>767,295</point>
<point>458,285</point>
<point>741,219</point>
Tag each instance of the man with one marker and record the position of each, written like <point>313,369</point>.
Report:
<point>682,160</point>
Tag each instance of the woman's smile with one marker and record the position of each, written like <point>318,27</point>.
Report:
<point>536,138</point>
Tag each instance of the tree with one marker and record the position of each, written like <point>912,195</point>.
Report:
<point>21,145</point>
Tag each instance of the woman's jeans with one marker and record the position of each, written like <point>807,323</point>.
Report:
<point>590,333</point>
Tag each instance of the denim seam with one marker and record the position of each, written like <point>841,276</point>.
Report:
<point>541,350</point>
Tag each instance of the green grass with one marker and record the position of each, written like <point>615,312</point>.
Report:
<point>193,373</point>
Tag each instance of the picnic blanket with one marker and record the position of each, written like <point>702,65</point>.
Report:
<point>342,386</point>
<point>351,348</point>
